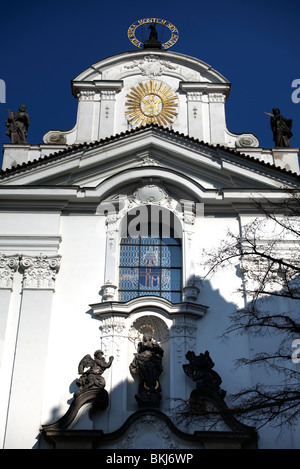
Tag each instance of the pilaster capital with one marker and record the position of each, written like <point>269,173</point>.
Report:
<point>40,271</point>
<point>8,266</point>
<point>216,98</point>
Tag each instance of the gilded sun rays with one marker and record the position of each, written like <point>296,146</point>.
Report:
<point>151,102</point>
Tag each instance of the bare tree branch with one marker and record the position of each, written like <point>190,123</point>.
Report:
<point>267,253</point>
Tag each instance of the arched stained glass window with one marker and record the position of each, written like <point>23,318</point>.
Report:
<point>151,264</point>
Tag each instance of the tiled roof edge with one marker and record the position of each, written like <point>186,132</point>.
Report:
<point>85,145</point>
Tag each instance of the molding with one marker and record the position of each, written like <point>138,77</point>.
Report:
<point>148,303</point>
<point>207,88</point>
<point>68,438</point>
<point>30,242</point>
<point>96,86</point>
<point>177,59</point>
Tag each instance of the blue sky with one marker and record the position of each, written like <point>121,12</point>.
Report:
<point>254,44</point>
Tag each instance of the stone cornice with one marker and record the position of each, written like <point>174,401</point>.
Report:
<point>30,242</point>
<point>204,87</point>
<point>96,86</point>
<point>144,303</point>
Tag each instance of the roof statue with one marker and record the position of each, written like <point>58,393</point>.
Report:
<point>17,125</point>
<point>153,41</point>
<point>281,128</point>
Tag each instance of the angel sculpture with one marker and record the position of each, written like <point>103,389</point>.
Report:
<point>92,378</point>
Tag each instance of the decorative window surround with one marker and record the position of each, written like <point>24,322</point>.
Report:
<point>150,192</point>
<point>8,266</point>
<point>40,271</point>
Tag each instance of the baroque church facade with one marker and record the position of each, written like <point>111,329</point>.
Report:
<point>105,316</point>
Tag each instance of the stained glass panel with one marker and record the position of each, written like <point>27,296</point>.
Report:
<point>129,256</point>
<point>129,279</point>
<point>150,266</point>
<point>150,255</point>
<point>171,256</point>
<point>127,295</point>
<point>173,297</point>
<point>149,278</point>
<point>170,279</point>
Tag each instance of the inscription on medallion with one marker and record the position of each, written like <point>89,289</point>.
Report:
<point>147,21</point>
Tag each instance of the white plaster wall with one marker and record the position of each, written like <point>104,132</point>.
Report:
<point>74,332</point>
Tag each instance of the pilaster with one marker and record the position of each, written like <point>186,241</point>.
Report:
<point>114,338</point>
<point>25,401</point>
<point>182,339</point>
<point>8,267</point>
<point>107,113</point>
<point>217,118</point>
<point>85,116</point>
<point>195,109</point>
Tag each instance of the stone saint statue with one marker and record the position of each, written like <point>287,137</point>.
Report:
<point>17,125</point>
<point>281,128</point>
<point>147,364</point>
<point>92,378</point>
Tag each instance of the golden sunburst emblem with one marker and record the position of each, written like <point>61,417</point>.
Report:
<point>151,102</point>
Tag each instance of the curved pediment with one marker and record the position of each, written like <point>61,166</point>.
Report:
<point>150,86</point>
<point>150,64</point>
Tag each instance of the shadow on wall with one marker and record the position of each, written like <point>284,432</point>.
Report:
<point>210,328</point>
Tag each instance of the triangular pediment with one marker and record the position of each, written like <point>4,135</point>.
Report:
<point>104,167</point>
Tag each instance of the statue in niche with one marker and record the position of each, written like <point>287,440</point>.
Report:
<point>92,378</point>
<point>281,128</point>
<point>17,125</point>
<point>200,370</point>
<point>147,364</point>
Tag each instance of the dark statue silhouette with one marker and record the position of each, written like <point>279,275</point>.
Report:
<point>200,370</point>
<point>147,364</point>
<point>281,128</point>
<point>152,42</point>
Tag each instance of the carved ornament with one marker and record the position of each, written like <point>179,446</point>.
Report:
<point>40,271</point>
<point>8,266</point>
